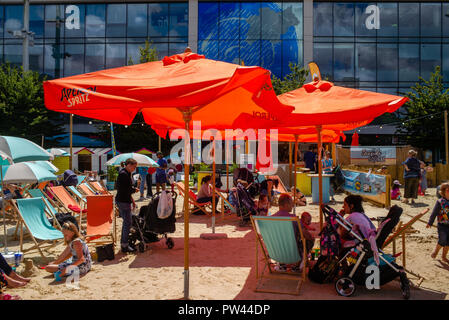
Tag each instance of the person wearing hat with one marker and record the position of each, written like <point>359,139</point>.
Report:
<point>412,173</point>
<point>395,191</point>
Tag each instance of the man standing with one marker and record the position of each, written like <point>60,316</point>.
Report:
<point>125,201</point>
<point>161,174</point>
<point>309,159</point>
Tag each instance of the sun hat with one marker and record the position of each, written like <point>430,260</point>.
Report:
<point>397,182</point>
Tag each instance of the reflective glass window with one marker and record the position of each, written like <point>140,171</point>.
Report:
<point>408,19</point>
<point>137,20</point>
<point>250,20</point>
<point>179,20</point>
<point>271,56</point>
<point>2,21</point>
<point>13,55</point>
<point>37,18</point>
<point>365,19</point>
<point>13,20</point>
<point>95,20</point>
<point>271,20</point>
<point>53,60</point>
<point>291,53</point>
<point>408,62</point>
<point>322,19</point>
<point>209,48</point>
<point>344,62</point>
<point>208,21</point>
<point>365,63</point>
<point>229,20</point>
<point>75,16</point>
<point>292,21</point>
<point>388,20</point>
<point>158,20</point>
<point>176,47</point>
<point>430,58</point>
<point>54,21</point>
<point>430,19</point>
<point>445,64</point>
<point>323,56</point>
<point>116,20</point>
<point>229,51</point>
<point>387,62</point>
<point>162,49</point>
<point>115,55</point>
<point>74,61</point>
<point>250,52</point>
<point>37,58</point>
<point>133,53</point>
<point>95,55</point>
<point>343,19</point>
<point>445,19</point>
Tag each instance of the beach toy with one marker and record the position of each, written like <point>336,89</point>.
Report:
<point>57,276</point>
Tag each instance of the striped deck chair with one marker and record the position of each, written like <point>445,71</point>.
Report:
<point>67,201</point>
<point>81,179</point>
<point>32,214</point>
<point>86,189</point>
<point>50,206</point>
<point>277,239</point>
<point>194,205</point>
<point>98,187</point>
<point>100,218</point>
<point>77,194</point>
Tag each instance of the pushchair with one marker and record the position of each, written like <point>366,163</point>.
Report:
<point>351,268</point>
<point>244,204</point>
<point>338,180</point>
<point>147,227</point>
<point>243,174</point>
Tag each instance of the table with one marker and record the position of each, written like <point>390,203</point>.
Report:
<point>316,190</point>
<point>303,181</point>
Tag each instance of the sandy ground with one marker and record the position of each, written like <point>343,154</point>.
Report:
<point>225,269</point>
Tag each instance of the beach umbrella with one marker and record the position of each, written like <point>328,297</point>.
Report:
<point>58,152</point>
<point>142,160</point>
<point>176,88</point>
<point>26,172</point>
<point>47,165</point>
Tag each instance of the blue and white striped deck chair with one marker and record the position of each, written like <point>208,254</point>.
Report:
<point>80,179</point>
<point>32,214</point>
<point>49,207</point>
<point>277,239</point>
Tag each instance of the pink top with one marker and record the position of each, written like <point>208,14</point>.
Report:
<point>204,191</point>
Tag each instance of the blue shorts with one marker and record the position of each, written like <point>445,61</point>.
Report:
<point>161,178</point>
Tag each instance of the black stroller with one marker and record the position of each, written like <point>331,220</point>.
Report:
<point>147,227</point>
<point>243,202</point>
<point>253,185</point>
<point>351,269</point>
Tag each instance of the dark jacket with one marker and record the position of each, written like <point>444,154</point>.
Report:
<point>414,166</point>
<point>124,187</point>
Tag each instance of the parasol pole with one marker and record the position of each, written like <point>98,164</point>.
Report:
<point>213,185</point>
<point>71,144</point>
<point>3,209</point>
<point>294,174</point>
<point>320,174</point>
<point>290,164</point>
<point>187,115</point>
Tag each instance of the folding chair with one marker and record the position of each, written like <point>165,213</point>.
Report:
<point>32,214</point>
<point>97,187</point>
<point>193,200</point>
<point>81,179</point>
<point>67,201</point>
<point>84,187</point>
<point>77,194</point>
<point>279,189</point>
<point>100,217</point>
<point>276,236</point>
<point>49,204</point>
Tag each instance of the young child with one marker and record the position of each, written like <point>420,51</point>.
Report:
<point>306,221</point>
<point>262,205</point>
<point>300,197</point>
<point>441,213</point>
<point>395,191</point>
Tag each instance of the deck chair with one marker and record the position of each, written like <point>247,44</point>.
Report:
<point>279,189</point>
<point>100,218</point>
<point>77,194</point>
<point>84,187</point>
<point>66,201</point>
<point>49,204</point>
<point>81,179</point>
<point>32,214</point>
<point>277,240</point>
<point>194,205</point>
<point>97,187</point>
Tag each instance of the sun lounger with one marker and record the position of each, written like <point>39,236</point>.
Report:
<point>193,200</point>
<point>49,204</point>
<point>100,218</point>
<point>77,194</point>
<point>97,187</point>
<point>86,189</point>
<point>67,201</point>
<point>277,240</point>
<point>32,214</point>
<point>81,179</point>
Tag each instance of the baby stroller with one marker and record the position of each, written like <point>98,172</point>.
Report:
<point>147,227</point>
<point>243,203</point>
<point>253,185</point>
<point>338,180</point>
<point>351,267</point>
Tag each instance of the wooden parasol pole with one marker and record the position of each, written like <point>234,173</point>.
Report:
<point>290,164</point>
<point>294,173</point>
<point>320,174</point>
<point>213,185</point>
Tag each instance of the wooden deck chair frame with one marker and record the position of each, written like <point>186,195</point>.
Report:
<point>84,188</point>
<point>98,187</point>
<point>268,262</point>
<point>194,204</point>
<point>64,205</point>
<point>48,209</point>
<point>74,194</point>
<point>275,197</point>
<point>112,234</point>
<point>224,201</point>
<point>39,246</point>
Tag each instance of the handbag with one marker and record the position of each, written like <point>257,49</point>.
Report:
<point>105,252</point>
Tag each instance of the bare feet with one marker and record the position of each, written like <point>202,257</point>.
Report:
<point>446,260</point>
<point>15,276</point>
<point>433,255</point>
<point>15,284</point>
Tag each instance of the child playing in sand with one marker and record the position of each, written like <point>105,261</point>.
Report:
<point>300,197</point>
<point>75,254</point>
<point>395,191</point>
<point>441,211</point>
<point>306,221</point>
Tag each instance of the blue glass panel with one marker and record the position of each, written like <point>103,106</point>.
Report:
<point>365,19</point>
<point>37,58</point>
<point>37,18</point>
<point>323,57</point>
<point>95,54</point>
<point>229,21</point>
<point>445,19</point>
<point>209,48</point>
<point>116,20</point>
<point>387,62</point>
<point>322,19</point>
<point>2,21</point>
<point>13,55</point>
<point>137,20</point>
<point>344,62</point>
<point>291,52</point>
<point>176,47</point>
<point>161,49</point>
<point>115,55</point>
<point>408,62</point>
<point>271,56</point>
<point>229,51</point>
<point>13,20</point>
<point>250,20</point>
<point>430,58</point>
<point>292,21</point>
<point>158,20</point>
<point>179,20</point>
<point>133,53</point>
<point>74,20</point>
<point>208,21</point>
<point>53,60</point>
<point>431,19</point>
<point>408,19</point>
<point>250,52</point>
<point>365,63</point>
<point>54,21</point>
<point>271,20</point>
<point>388,20</point>
<point>445,64</point>
<point>343,19</point>
<point>95,20</point>
<point>74,62</point>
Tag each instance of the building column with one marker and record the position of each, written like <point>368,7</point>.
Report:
<point>193,25</point>
<point>308,32</point>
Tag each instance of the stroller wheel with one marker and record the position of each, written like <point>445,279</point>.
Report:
<point>170,243</point>
<point>405,286</point>
<point>345,287</point>
<point>141,247</point>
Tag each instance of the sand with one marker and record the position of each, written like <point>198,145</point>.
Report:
<point>225,268</point>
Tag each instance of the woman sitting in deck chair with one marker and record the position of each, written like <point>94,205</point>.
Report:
<point>205,192</point>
